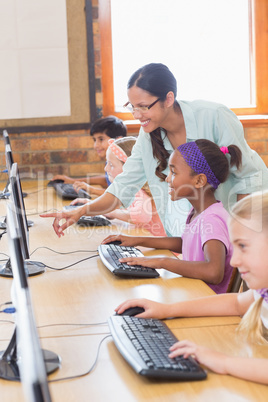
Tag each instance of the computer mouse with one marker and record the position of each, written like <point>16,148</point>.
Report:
<point>51,183</point>
<point>132,311</point>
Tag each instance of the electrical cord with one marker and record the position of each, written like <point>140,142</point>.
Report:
<point>71,265</point>
<point>1,235</point>
<point>74,324</point>
<point>89,370</point>
<point>63,253</point>
<point>44,212</point>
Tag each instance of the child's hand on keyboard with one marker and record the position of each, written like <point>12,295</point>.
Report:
<point>130,241</point>
<point>152,309</point>
<point>215,361</point>
<point>149,262</point>
<point>80,201</point>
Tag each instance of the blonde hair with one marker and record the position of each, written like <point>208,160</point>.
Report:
<point>126,144</point>
<point>252,211</point>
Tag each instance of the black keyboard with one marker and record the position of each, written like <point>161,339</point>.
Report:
<point>110,255</point>
<point>66,190</point>
<point>145,343</point>
<point>97,220</point>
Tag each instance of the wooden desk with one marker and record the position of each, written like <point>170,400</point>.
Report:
<point>87,293</point>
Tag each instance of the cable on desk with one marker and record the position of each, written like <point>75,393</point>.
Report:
<point>5,255</point>
<point>6,303</point>
<point>8,321</point>
<point>74,324</point>
<point>91,368</point>
<point>36,191</point>
<point>63,253</point>
<point>1,235</point>
<point>44,212</point>
<point>71,265</point>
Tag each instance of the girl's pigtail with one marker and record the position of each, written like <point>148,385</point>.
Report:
<point>251,324</point>
<point>236,156</point>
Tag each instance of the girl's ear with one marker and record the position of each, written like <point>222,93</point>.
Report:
<point>201,180</point>
<point>170,99</point>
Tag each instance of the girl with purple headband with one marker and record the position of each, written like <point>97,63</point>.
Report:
<point>196,170</point>
<point>248,228</point>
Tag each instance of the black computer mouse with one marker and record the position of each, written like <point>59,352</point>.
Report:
<point>51,183</point>
<point>132,311</point>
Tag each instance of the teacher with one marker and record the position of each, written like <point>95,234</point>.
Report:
<point>167,123</point>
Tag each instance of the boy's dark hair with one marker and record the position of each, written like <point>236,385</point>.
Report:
<point>110,125</point>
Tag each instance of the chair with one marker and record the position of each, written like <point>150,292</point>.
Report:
<point>235,284</point>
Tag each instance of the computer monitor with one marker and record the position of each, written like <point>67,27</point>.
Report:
<point>24,359</point>
<point>33,267</point>
<point>9,163</point>
<point>6,137</point>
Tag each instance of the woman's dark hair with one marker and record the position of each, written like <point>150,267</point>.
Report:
<point>217,160</point>
<point>158,80</point>
<point>110,125</point>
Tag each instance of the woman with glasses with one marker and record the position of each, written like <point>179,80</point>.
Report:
<point>166,123</point>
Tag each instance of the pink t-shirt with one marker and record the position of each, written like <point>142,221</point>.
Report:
<point>211,224</point>
<point>144,214</point>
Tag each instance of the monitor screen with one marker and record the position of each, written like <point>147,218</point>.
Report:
<point>6,137</point>
<point>20,214</point>
<point>9,158</point>
<point>30,360</point>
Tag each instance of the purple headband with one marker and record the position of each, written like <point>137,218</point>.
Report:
<point>196,160</point>
<point>263,293</point>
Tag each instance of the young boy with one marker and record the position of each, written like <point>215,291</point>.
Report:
<point>101,130</point>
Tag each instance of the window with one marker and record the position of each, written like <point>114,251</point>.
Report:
<point>239,59</point>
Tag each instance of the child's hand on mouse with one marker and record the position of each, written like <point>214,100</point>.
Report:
<point>66,179</point>
<point>130,241</point>
<point>152,309</point>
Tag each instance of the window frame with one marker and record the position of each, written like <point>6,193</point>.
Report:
<point>258,49</point>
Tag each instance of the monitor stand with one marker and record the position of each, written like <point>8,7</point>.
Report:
<point>9,361</point>
<point>32,268</point>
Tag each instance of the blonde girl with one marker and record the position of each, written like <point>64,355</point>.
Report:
<point>248,227</point>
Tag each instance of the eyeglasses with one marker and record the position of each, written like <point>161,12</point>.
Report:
<point>141,109</point>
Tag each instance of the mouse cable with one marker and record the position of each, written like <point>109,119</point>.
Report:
<point>7,321</point>
<point>89,370</point>
<point>71,265</point>
<point>60,252</point>
<point>1,235</point>
<point>74,324</point>
<point>44,212</point>
<point>36,191</point>
<point>6,255</point>
<point>4,304</point>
